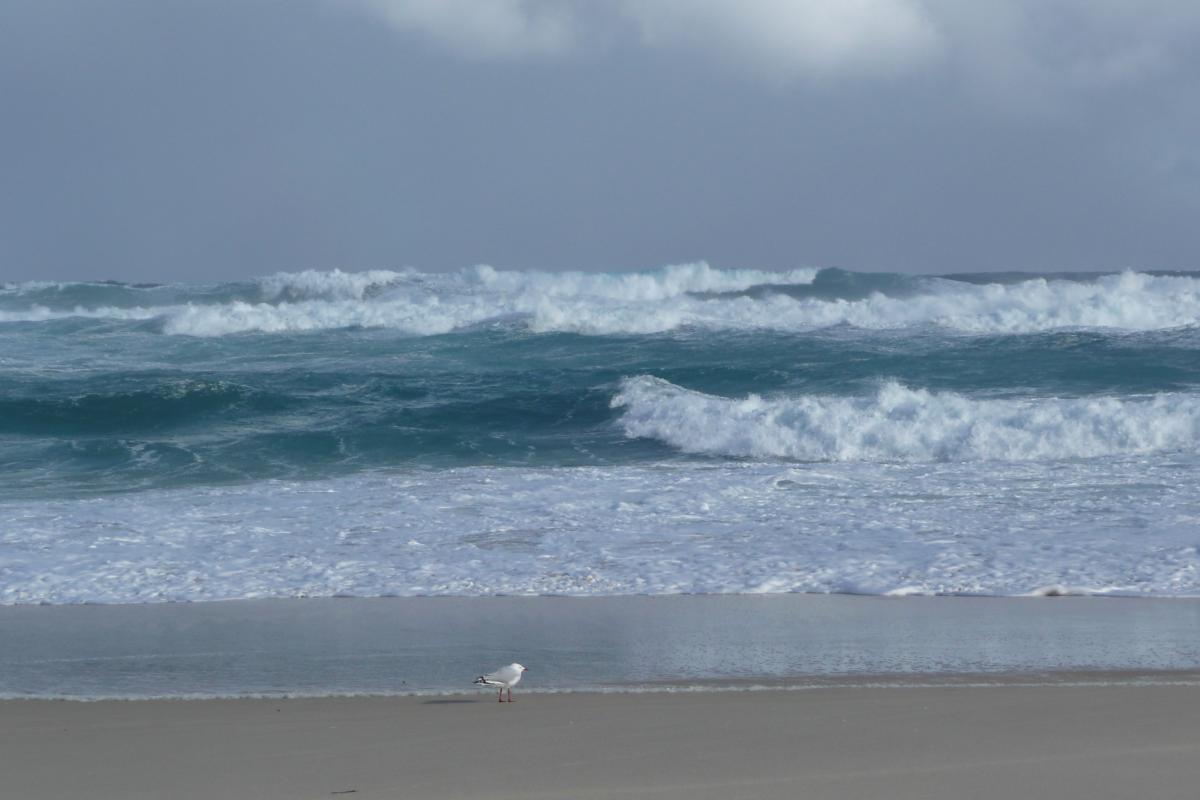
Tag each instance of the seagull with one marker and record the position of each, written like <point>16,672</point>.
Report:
<point>503,678</point>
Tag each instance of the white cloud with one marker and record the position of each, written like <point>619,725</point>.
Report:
<point>786,39</point>
<point>484,28</point>
<point>1018,48</point>
<point>781,39</point>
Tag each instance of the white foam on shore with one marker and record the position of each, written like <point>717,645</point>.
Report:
<point>1120,525</point>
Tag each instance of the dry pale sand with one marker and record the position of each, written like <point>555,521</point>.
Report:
<point>1061,741</point>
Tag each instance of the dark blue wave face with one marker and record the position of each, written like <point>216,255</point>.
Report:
<point>101,402</point>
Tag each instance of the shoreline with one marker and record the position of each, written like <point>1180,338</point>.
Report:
<point>1068,678</point>
<point>430,646</point>
<point>1048,592</point>
<point>1072,679</point>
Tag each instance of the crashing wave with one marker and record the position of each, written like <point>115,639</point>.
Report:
<point>905,425</point>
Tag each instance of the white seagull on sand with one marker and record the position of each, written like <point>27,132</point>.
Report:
<point>503,678</point>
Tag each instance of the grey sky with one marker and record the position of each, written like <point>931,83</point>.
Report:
<point>161,140</point>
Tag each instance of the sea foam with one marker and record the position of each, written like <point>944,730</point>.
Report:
<point>1123,525</point>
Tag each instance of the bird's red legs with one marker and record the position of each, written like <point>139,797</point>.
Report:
<point>500,697</point>
<point>510,694</point>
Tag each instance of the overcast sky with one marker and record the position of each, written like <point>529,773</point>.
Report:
<point>166,140</point>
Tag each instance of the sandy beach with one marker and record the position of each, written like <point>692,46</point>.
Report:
<point>1001,741</point>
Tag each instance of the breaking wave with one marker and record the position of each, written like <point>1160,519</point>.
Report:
<point>905,425</point>
<point>657,301</point>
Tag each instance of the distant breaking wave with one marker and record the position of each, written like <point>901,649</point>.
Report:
<point>905,425</point>
<point>425,304</point>
<point>316,285</point>
<point>691,296</point>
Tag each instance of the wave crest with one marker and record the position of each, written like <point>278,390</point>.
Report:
<point>314,284</point>
<point>903,424</point>
<point>660,284</point>
<point>40,313</point>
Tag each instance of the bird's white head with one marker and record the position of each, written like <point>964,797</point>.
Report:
<point>518,667</point>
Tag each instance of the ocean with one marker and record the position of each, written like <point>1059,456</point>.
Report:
<point>684,430</point>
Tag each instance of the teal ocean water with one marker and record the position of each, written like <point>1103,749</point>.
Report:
<point>686,429</point>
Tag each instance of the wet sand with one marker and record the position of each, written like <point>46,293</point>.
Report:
<point>433,644</point>
<point>1104,740</point>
